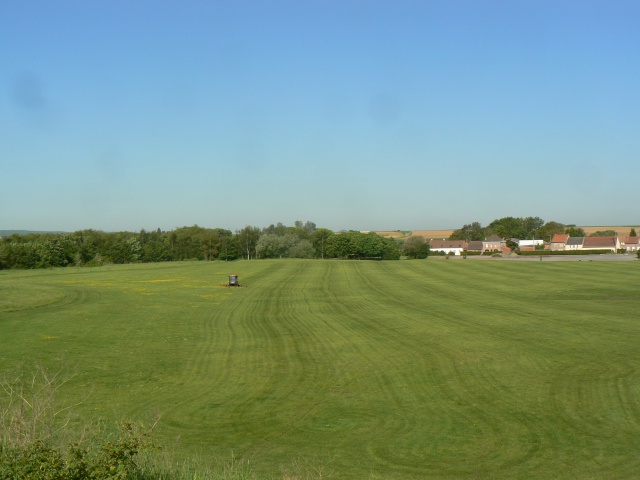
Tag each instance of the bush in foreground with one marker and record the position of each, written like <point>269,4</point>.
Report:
<point>37,441</point>
<point>115,459</point>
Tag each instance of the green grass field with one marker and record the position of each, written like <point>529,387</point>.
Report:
<point>399,370</point>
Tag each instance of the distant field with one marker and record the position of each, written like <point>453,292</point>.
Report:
<point>384,370</point>
<point>621,230</point>
<point>428,234</point>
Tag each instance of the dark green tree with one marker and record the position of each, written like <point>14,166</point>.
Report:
<point>416,247</point>
<point>247,239</point>
<point>469,232</point>
<point>309,227</point>
<point>271,245</point>
<point>510,227</point>
<point>532,225</point>
<point>301,249</point>
<point>392,249</point>
<point>603,233</point>
<point>228,248</point>
<point>549,229</point>
<point>319,239</point>
<point>574,231</point>
<point>155,246</point>
<point>338,246</point>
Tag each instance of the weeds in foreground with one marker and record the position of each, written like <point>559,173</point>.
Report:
<point>29,412</point>
<point>36,442</point>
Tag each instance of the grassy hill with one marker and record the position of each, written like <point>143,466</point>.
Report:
<point>401,370</point>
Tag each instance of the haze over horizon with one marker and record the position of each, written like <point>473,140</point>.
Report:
<point>368,116</point>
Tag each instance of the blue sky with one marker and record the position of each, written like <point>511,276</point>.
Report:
<point>369,115</point>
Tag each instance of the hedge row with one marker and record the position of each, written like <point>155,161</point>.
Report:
<point>566,252</point>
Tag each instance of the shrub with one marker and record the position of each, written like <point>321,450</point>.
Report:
<point>35,437</point>
<point>36,442</point>
<point>566,252</point>
<point>38,460</point>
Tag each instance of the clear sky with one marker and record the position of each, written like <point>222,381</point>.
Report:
<point>368,115</point>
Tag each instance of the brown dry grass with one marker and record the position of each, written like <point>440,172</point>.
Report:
<point>429,234</point>
<point>622,230</point>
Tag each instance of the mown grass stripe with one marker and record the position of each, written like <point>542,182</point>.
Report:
<point>417,369</point>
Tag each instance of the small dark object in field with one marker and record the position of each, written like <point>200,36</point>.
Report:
<point>233,282</point>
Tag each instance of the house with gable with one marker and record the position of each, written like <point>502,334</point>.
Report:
<point>559,241</point>
<point>601,243</point>
<point>574,243</point>
<point>455,247</point>
<point>494,243</point>
<point>630,244</point>
<point>475,246</point>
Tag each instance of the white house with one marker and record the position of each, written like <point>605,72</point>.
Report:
<point>601,243</point>
<point>530,244</point>
<point>574,243</point>
<point>455,247</point>
<point>630,244</point>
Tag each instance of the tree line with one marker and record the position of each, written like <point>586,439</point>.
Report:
<point>302,240</point>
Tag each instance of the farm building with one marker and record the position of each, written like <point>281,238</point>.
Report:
<point>559,241</point>
<point>493,243</point>
<point>455,247</point>
<point>601,243</point>
<point>475,246</point>
<point>529,244</point>
<point>574,243</point>
<point>630,244</point>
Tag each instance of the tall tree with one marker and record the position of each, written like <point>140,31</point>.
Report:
<point>469,232</point>
<point>301,249</point>
<point>319,239</point>
<point>510,227</point>
<point>228,248</point>
<point>247,240</point>
<point>574,231</point>
<point>549,229</point>
<point>338,246</point>
<point>392,249</point>
<point>532,225</point>
<point>271,245</point>
<point>416,247</point>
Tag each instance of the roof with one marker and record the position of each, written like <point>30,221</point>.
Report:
<point>494,238</point>
<point>447,244</point>
<point>599,242</point>
<point>560,238</point>
<point>475,245</point>
<point>575,241</point>
<point>631,240</point>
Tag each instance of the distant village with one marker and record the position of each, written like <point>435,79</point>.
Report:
<point>559,243</point>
